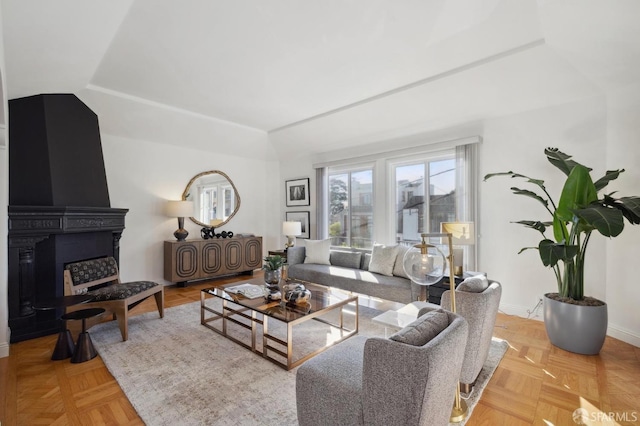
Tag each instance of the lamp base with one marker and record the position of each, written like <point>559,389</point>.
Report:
<point>458,414</point>
<point>181,234</point>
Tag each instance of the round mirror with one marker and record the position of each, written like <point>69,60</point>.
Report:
<point>215,198</point>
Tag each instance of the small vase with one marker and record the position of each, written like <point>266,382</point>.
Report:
<point>272,281</point>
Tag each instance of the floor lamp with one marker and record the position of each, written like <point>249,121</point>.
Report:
<point>425,264</point>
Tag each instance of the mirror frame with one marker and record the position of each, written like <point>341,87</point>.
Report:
<point>235,190</point>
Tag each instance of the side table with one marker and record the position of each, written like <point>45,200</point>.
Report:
<point>84,350</point>
<point>64,346</point>
<point>281,253</point>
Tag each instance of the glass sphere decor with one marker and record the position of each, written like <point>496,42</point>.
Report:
<point>424,264</point>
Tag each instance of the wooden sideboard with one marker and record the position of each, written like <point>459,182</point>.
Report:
<point>192,260</point>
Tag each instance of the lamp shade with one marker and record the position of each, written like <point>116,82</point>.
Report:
<point>291,228</point>
<point>424,264</point>
<point>462,232</point>
<point>179,208</point>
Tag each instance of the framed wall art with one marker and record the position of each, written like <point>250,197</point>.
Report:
<point>297,192</point>
<point>303,218</point>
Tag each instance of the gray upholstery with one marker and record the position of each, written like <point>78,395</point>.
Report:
<point>393,288</point>
<point>376,381</point>
<point>480,311</point>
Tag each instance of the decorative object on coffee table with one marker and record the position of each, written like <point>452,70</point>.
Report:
<point>272,276</point>
<point>296,293</point>
<point>425,264</point>
<point>180,209</point>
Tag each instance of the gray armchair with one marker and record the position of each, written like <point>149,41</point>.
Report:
<point>480,310</point>
<point>377,381</point>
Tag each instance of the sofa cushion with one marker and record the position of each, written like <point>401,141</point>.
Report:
<point>383,258</point>
<point>423,329</point>
<point>475,284</point>
<point>346,259</point>
<point>398,268</point>
<point>317,251</point>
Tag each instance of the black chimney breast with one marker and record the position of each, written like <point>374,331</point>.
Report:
<point>56,153</point>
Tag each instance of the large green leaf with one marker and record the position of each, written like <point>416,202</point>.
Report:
<point>551,253</point>
<point>561,160</point>
<point>629,206</point>
<point>534,224</point>
<point>560,231</point>
<point>607,220</point>
<point>537,182</point>
<point>578,191</point>
<point>608,177</point>
<point>530,194</point>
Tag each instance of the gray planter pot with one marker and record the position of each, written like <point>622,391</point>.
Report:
<point>575,328</point>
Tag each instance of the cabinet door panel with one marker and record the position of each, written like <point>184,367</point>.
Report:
<point>252,254</point>
<point>211,258</point>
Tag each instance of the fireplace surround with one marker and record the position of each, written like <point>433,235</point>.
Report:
<point>59,209</point>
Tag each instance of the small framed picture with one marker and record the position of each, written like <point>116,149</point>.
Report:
<point>303,218</point>
<point>297,192</point>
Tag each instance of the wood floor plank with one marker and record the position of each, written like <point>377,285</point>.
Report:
<point>535,383</point>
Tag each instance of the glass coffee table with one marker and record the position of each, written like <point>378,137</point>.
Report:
<point>236,313</point>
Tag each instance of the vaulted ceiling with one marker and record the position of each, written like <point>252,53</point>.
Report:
<point>315,75</point>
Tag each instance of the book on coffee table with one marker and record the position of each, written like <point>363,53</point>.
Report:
<point>250,291</point>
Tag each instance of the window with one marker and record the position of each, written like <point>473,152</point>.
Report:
<point>425,191</point>
<point>350,207</point>
<point>396,196</point>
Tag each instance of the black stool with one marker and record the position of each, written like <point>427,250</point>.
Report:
<point>84,350</point>
<point>64,346</point>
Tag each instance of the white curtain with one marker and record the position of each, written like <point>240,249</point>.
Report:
<point>466,195</point>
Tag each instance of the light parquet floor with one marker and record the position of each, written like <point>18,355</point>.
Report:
<point>535,384</point>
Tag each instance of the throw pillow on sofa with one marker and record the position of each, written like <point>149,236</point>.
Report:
<point>383,259</point>
<point>398,268</point>
<point>475,284</point>
<point>317,251</point>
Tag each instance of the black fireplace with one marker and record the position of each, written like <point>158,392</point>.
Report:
<point>59,208</point>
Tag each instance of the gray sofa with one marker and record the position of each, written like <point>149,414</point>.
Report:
<point>349,271</point>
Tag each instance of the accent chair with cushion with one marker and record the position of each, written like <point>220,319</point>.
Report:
<point>408,379</point>
<point>477,300</point>
<point>99,278</point>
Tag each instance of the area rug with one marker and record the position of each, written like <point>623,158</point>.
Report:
<point>176,371</point>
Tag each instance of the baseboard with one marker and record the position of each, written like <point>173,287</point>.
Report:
<point>623,334</point>
<point>4,346</point>
<point>613,330</point>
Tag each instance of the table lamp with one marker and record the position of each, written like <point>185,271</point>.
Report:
<point>180,209</point>
<point>291,230</point>
<point>425,265</point>
<point>463,235</point>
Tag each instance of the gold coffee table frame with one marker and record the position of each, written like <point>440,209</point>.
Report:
<point>251,314</point>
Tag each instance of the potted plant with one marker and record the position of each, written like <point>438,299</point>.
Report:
<point>574,322</point>
<point>273,270</point>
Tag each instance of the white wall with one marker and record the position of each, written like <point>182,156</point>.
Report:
<point>623,151</point>
<point>142,175</point>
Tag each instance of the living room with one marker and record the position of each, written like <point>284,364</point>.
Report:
<point>520,77</point>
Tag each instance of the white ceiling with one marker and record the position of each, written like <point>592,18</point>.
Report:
<point>315,75</point>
